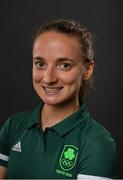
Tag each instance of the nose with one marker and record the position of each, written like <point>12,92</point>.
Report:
<point>49,76</point>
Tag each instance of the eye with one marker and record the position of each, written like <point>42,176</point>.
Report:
<point>40,65</point>
<point>65,66</point>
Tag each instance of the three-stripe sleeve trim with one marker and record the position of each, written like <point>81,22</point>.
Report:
<point>4,157</point>
<point>90,177</point>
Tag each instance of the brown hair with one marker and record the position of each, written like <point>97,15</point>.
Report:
<point>84,37</point>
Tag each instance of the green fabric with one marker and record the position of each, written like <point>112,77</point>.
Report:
<point>76,145</point>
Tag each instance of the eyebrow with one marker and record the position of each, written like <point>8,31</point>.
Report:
<point>39,58</point>
<point>65,59</point>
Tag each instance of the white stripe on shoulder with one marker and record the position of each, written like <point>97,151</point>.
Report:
<point>89,177</point>
<point>4,157</point>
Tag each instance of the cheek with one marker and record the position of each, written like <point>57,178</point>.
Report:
<point>36,75</point>
<point>72,78</point>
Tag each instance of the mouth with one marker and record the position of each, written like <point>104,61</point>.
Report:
<point>51,89</point>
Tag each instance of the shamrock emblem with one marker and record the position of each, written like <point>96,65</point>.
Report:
<point>69,154</point>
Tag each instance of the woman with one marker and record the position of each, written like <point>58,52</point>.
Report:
<point>59,139</point>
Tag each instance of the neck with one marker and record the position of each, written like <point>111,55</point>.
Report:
<point>52,115</point>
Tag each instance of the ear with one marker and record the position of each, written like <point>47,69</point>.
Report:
<point>88,70</point>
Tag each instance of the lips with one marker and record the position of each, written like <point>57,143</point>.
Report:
<point>51,89</point>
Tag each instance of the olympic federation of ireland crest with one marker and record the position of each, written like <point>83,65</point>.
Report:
<point>68,157</point>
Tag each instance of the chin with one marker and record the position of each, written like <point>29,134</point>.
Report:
<point>56,102</point>
<point>50,101</point>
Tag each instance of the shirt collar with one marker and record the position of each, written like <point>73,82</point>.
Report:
<point>71,121</point>
<point>65,125</point>
<point>35,116</point>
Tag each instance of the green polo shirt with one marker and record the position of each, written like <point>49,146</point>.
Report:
<point>78,145</point>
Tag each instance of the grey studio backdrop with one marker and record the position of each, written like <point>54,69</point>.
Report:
<point>18,21</point>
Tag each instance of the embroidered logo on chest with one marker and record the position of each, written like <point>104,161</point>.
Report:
<point>68,157</point>
<point>67,160</point>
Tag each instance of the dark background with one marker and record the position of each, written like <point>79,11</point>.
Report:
<point>18,21</point>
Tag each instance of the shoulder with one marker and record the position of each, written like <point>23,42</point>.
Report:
<point>97,150</point>
<point>15,123</point>
<point>15,119</point>
<point>96,140</point>
<point>88,127</point>
<point>92,130</point>
<point>19,119</point>
<point>23,119</point>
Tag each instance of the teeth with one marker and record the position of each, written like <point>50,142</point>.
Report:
<point>52,89</point>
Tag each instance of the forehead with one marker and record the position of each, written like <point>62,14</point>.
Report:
<point>58,43</point>
<point>56,34</point>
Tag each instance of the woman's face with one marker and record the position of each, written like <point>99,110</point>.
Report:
<point>57,68</point>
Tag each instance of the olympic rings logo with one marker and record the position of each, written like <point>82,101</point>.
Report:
<point>67,163</point>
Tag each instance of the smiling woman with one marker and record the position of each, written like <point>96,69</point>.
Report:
<point>57,76</point>
<point>59,139</point>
